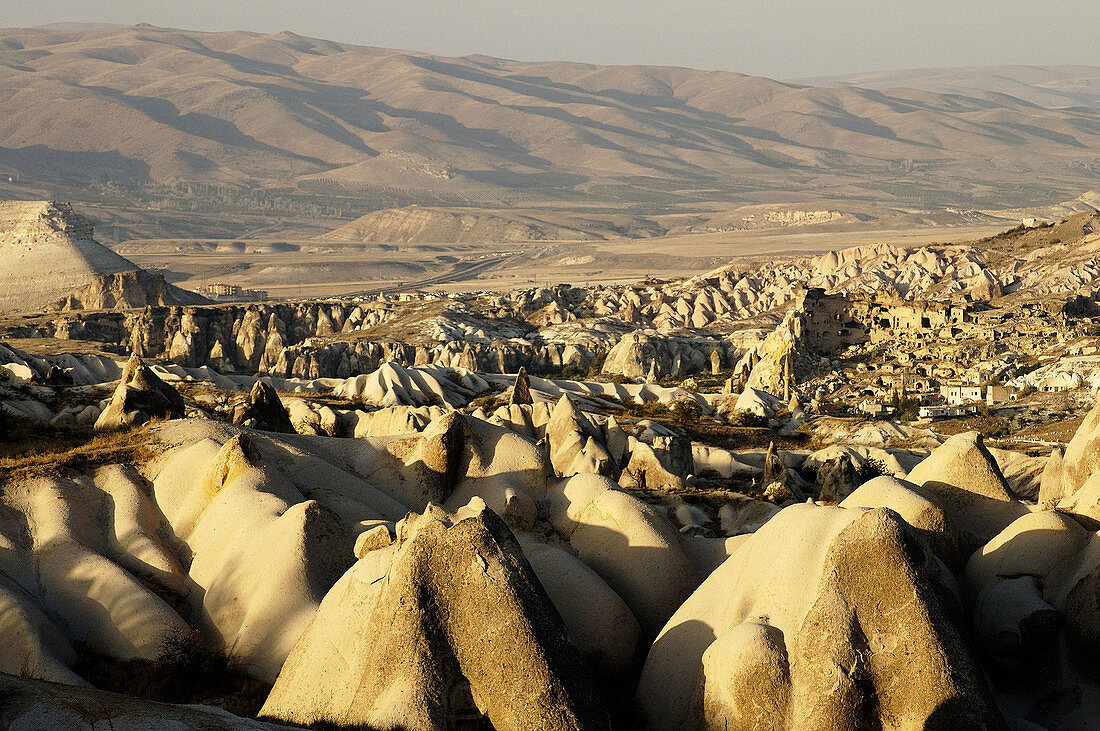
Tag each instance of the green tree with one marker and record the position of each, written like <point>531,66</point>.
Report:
<point>685,411</point>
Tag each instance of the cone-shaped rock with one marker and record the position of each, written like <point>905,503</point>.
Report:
<point>263,410</point>
<point>521,392</point>
<point>964,479</point>
<point>140,396</point>
<point>825,618</point>
<point>449,626</point>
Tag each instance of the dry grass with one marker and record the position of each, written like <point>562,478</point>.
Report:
<point>35,450</point>
<point>1055,431</point>
<point>740,437</point>
<point>987,425</point>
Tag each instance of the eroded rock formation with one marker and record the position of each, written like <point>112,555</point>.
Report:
<point>140,397</point>
<point>447,625</point>
<point>263,410</point>
<point>48,259</point>
<point>797,630</point>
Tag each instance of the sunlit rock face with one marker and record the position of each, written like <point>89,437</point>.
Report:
<point>26,703</point>
<point>244,534</point>
<point>447,624</point>
<point>378,514</point>
<point>139,397</point>
<point>824,618</point>
<point>48,259</point>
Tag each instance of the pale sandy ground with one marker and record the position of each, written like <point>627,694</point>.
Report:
<point>310,268</point>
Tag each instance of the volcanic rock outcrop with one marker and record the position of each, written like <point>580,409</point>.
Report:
<point>521,391</point>
<point>575,442</point>
<point>242,534</point>
<point>263,410</point>
<point>310,340</point>
<point>33,704</point>
<point>837,478</point>
<point>83,571</point>
<point>393,385</point>
<point>447,625</point>
<point>1033,589</point>
<point>140,396</point>
<point>649,354</point>
<point>962,477</point>
<point>1069,473</point>
<point>797,630</point>
<point>473,553</point>
<point>917,508</point>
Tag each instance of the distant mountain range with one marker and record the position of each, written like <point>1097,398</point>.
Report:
<point>1045,86</point>
<point>144,106</point>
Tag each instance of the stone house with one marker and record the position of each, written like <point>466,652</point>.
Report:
<point>957,394</point>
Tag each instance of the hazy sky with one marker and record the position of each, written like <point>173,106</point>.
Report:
<point>778,39</point>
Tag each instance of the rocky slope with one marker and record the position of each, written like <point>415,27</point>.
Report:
<point>355,575</point>
<point>650,330</point>
<point>341,339</point>
<point>1051,260</point>
<point>409,485</point>
<point>49,260</point>
<point>247,549</point>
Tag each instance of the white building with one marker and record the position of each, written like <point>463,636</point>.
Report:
<point>942,412</point>
<point>957,394</point>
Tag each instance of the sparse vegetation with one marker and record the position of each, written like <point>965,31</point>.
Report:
<point>488,403</point>
<point>747,418</point>
<point>685,411</point>
<point>573,372</point>
<point>647,410</point>
<point>656,408</point>
<point>34,450</point>
<point>906,408</point>
<point>872,468</point>
<point>187,671</point>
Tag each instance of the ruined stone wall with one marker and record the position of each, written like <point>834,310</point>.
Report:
<point>829,322</point>
<point>832,322</point>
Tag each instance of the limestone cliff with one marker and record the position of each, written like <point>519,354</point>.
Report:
<point>48,259</point>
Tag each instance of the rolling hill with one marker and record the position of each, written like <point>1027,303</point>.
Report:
<point>144,106</point>
<point>1046,86</point>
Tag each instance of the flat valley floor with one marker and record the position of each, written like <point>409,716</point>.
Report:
<point>293,268</point>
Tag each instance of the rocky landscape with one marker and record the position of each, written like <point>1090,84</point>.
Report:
<point>856,489</point>
<point>374,389</point>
